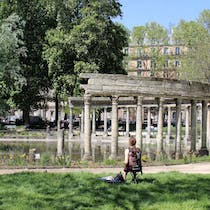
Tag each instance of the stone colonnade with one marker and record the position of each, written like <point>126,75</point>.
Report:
<point>162,92</point>
<point>162,145</point>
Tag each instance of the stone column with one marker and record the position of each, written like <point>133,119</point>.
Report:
<point>70,149</point>
<point>94,122</point>
<point>105,121</point>
<point>148,132</point>
<point>203,150</point>
<point>168,136</point>
<point>199,134</point>
<point>82,122</point>
<point>159,150</point>
<point>148,122</point>
<point>127,121</point>
<point>178,153</point>
<point>193,132</point>
<point>114,138</point>
<point>70,121</point>
<point>139,122</point>
<point>208,127</point>
<point>60,135</point>
<point>87,128</point>
<point>93,152</point>
<point>187,128</point>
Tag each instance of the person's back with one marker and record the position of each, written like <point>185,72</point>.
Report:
<point>132,157</point>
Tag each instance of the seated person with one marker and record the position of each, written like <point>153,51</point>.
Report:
<point>132,157</point>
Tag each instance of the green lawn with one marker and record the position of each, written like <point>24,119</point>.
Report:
<point>27,191</point>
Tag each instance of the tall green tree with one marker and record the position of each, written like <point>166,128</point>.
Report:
<point>85,40</point>
<point>12,48</point>
<point>138,35</point>
<point>33,67</point>
<point>195,37</point>
<point>204,19</point>
<point>156,34</point>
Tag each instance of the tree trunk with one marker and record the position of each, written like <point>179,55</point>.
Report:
<point>26,116</point>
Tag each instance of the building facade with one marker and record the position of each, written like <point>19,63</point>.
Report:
<point>160,61</point>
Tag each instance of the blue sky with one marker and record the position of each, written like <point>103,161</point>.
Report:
<point>164,12</point>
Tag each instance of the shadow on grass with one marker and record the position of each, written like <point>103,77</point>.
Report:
<point>84,191</point>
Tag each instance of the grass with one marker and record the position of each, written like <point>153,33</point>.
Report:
<point>47,191</point>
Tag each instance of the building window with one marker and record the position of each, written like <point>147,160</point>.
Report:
<point>165,50</point>
<point>177,51</point>
<point>139,64</point>
<point>177,63</point>
<point>166,64</point>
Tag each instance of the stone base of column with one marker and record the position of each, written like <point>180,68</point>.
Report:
<point>178,156</point>
<point>87,157</point>
<point>203,152</point>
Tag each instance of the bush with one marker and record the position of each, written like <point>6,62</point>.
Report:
<point>45,159</point>
<point>63,160</point>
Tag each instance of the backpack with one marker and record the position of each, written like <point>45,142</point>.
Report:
<point>118,178</point>
<point>134,157</point>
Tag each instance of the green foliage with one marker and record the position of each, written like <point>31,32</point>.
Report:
<point>204,18</point>
<point>63,160</point>
<point>138,35</point>
<point>85,40</point>
<point>33,68</point>
<point>46,159</point>
<point>83,191</point>
<point>193,35</point>
<point>156,34</point>
<point>12,48</point>
<point>188,33</point>
<point>111,162</point>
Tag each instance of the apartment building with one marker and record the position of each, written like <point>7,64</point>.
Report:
<point>158,61</point>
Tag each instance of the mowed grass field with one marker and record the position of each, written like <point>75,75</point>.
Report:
<point>165,191</point>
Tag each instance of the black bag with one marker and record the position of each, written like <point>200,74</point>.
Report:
<point>118,178</point>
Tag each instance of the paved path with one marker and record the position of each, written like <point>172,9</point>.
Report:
<point>196,168</point>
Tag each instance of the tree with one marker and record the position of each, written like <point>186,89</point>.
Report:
<point>12,48</point>
<point>85,40</point>
<point>156,34</point>
<point>138,35</point>
<point>195,37</point>
<point>33,67</point>
<point>204,19</point>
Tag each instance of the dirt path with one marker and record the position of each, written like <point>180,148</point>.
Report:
<point>196,168</point>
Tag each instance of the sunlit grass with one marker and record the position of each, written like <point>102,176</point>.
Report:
<point>83,191</point>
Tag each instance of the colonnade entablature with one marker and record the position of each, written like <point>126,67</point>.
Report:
<point>105,90</point>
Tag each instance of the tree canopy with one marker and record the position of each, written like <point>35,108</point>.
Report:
<point>89,41</point>
<point>196,37</point>
<point>12,48</point>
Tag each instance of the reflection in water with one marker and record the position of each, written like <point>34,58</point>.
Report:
<point>22,153</point>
